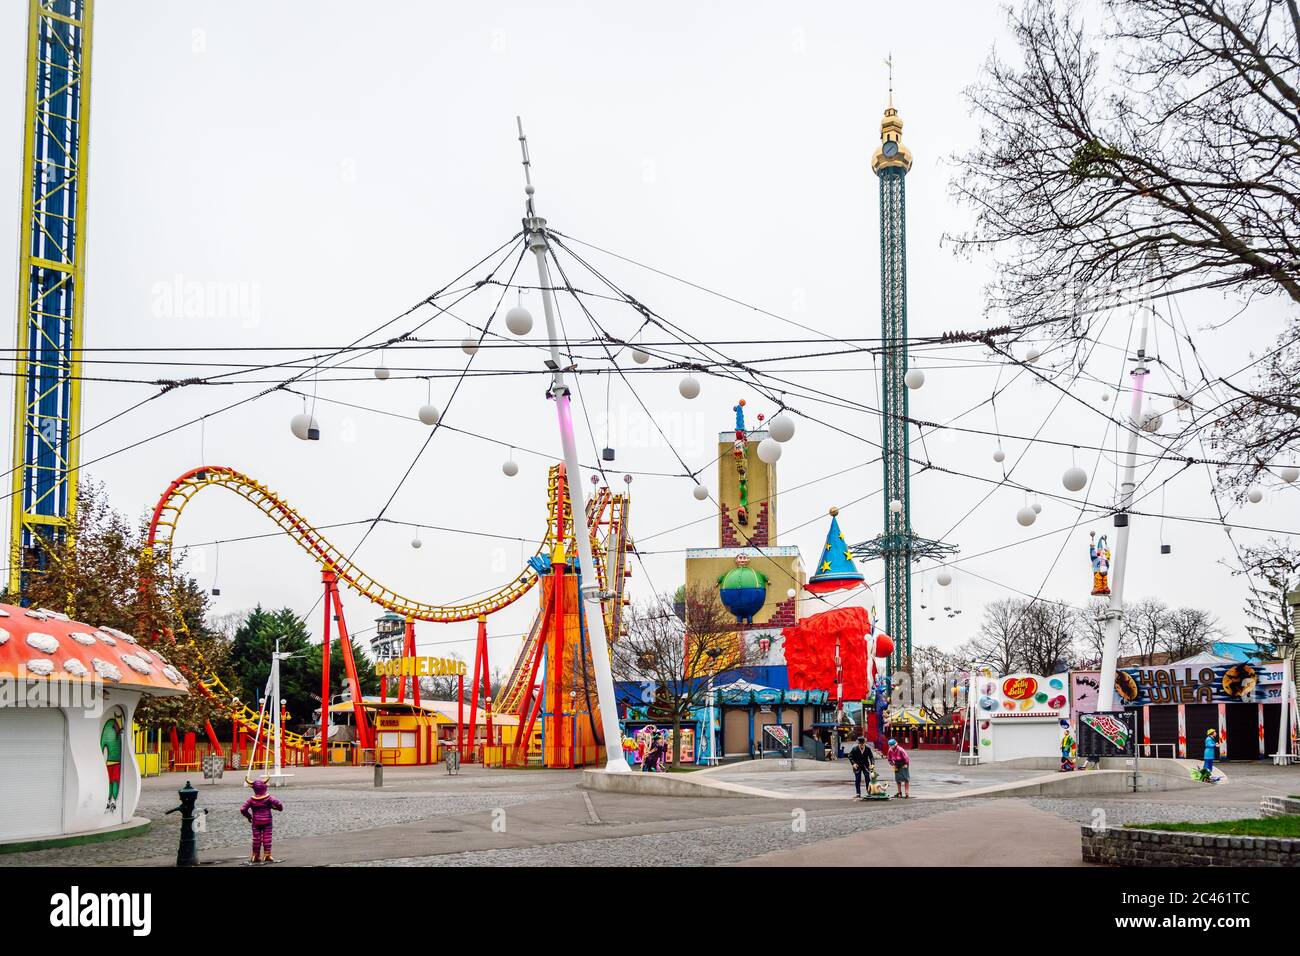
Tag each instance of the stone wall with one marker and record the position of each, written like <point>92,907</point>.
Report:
<point>1279,807</point>
<point>1119,846</point>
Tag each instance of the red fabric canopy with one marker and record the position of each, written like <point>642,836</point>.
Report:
<point>810,651</point>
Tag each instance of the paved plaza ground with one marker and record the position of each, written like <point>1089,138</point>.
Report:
<point>424,817</point>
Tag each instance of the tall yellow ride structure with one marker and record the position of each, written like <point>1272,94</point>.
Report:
<point>51,283</point>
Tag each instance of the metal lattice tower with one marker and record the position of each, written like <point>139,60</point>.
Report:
<point>897,545</point>
<point>51,287</point>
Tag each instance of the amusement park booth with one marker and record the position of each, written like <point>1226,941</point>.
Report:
<point>1019,715</point>
<point>748,708</point>
<point>406,733</point>
<point>1177,703</point>
<point>69,694</point>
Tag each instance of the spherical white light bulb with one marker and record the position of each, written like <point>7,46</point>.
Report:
<point>381,373</point>
<point>895,506</point>
<point>1150,421</point>
<point>1038,508</point>
<point>790,593</point>
<point>999,455</point>
<point>640,357</point>
<point>417,544</point>
<point>914,378</point>
<point>1182,399</point>
<point>769,451</point>
<point>944,578</point>
<point>1255,494</point>
<point>301,424</point>
<point>510,468</point>
<point>429,414</point>
<point>781,427</point>
<point>1288,473</point>
<point>1074,478</point>
<point>469,346</point>
<point>1105,398</point>
<point>689,386</point>
<point>519,320</point>
<point>1032,355</point>
<point>700,492</point>
<point>1026,516</point>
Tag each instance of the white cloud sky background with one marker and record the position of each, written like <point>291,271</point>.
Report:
<point>341,166</point>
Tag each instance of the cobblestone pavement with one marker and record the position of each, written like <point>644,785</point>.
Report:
<point>423,817</point>
<point>314,808</point>
<point>708,846</point>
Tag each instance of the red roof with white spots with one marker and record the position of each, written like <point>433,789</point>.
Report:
<point>38,644</point>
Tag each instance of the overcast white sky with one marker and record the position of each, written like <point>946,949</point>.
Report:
<point>337,167</point>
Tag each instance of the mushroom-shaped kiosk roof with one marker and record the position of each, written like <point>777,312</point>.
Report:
<point>38,644</point>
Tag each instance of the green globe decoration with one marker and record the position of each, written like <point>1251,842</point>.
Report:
<point>743,590</point>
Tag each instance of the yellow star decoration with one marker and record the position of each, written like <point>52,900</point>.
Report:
<point>828,545</point>
<point>826,565</point>
<point>847,556</point>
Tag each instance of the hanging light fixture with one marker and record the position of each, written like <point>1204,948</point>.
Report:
<point>944,578</point>
<point>914,378</point>
<point>1255,494</point>
<point>381,370</point>
<point>416,543</point>
<point>1038,508</point>
<point>1032,355</point>
<point>700,492</point>
<point>999,455</point>
<point>640,357</point>
<point>510,467</point>
<point>689,386</point>
<point>781,427</point>
<point>1026,516</point>
<point>1074,478</point>
<point>769,451</point>
<point>1288,473</point>
<point>519,320</point>
<point>305,427</point>
<point>469,346</point>
<point>429,413</point>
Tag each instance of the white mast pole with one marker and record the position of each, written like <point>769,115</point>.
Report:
<point>1115,613</point>
<point>535,233</point>
<point>275,707</point>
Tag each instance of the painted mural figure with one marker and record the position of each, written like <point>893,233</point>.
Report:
<point>742,466</point>
<point>743,590</point>
<point>110,743</point>
<point>1100,555</point>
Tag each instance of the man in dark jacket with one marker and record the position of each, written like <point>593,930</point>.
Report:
<point>862,760</point>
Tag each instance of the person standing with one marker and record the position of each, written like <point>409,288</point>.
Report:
<point>1211,751</point>
<point>655,755</point>
<point>257,810</point>
<point>902,764</point>
<point>863,761</point>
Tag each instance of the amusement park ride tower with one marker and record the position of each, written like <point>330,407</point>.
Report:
<point>897,545</point>
<point>51,286</point>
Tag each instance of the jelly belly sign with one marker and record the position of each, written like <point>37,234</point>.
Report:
<point>1022,695</point>
<point>1203,684</point>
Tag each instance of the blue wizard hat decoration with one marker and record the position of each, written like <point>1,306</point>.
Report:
<point>835,567</point>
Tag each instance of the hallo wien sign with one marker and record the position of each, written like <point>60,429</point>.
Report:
<point>420,667</point>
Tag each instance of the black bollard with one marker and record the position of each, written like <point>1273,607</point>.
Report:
<point>187,854</point>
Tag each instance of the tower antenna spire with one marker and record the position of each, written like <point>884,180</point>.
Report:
<point>528,163</point>
<point>889,63</point>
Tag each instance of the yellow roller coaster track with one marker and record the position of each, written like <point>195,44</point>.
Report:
<point>606,514</point>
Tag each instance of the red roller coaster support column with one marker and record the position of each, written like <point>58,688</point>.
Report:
<point>212,739</point>
<point>327,578</point>
<point>408,650</point>
<point>349,663</point>
<point>478,684</point>
<point>460,715</point>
